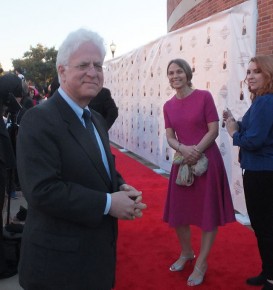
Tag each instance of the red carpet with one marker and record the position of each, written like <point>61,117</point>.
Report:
<point>147,246</point>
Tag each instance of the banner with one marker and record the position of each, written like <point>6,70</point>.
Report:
<point>218,50</point>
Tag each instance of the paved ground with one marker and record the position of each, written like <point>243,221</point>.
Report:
<point>12,283</point>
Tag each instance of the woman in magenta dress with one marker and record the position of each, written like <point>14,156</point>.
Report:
<point>192,123</point>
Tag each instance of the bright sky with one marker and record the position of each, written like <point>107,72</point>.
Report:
<point>129,24</point>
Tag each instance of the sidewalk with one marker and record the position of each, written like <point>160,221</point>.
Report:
<point>12,283</point>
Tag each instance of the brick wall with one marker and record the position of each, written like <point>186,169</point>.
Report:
<point>171,6</point>
<point>209,7</point>
<point>265,27</point>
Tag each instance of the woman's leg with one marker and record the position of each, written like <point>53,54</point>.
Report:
<point>184,237</point>
<point>259,200</point>
<point>201,263</point>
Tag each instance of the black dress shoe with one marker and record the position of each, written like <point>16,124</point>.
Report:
<point>256,281</point>
<point>267,286</point>
<point>8,273</point>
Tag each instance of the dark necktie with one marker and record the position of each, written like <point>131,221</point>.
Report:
<point>90,127</point>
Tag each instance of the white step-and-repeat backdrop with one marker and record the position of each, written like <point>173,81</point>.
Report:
<point>218,50</point>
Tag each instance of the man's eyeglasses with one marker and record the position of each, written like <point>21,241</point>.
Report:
<point>86,67</point>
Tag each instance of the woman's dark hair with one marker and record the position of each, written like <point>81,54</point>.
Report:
<point>185,66</point>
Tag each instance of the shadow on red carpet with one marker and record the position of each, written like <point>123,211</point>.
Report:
<point>147,246</point>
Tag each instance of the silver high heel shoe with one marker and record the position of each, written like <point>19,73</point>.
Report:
<point>199,280</point>
<point>185,259</point>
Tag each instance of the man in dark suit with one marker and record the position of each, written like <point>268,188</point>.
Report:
<point>10,88</point>
<point>104,104</point>
<point>7,160</point>
<point>75,195</point>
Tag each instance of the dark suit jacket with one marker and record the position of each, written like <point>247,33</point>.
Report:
<point>26,103</point>
<point>104,104</point>
<point>68,243</point>
<point>7,160</point>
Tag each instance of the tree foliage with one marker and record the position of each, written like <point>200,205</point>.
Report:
<point>38,65</point>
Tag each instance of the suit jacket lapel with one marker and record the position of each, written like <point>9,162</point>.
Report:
<point>78,131</point>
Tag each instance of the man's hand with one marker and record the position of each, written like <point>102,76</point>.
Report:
<point>126,204</point>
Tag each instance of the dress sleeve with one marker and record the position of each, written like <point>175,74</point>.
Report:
<point>166,116</point>
<point>210,109</point>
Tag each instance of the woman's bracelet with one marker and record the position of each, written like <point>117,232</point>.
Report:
<point>196,149</point>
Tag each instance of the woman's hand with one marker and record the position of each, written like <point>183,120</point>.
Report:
<point>227,114</point>
<point>191,154</point>
<point>231,126</point>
